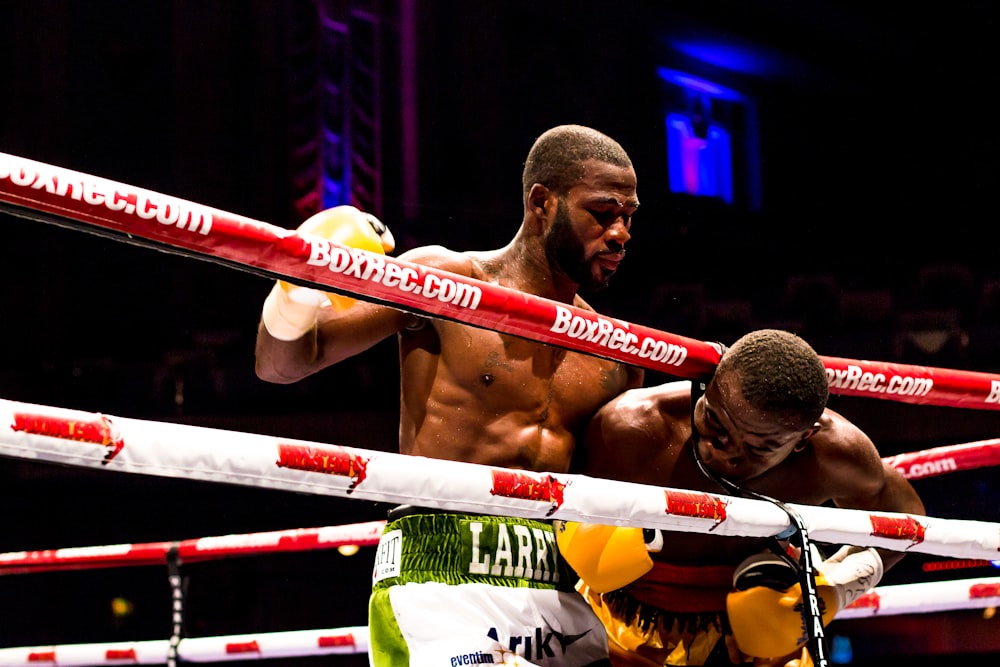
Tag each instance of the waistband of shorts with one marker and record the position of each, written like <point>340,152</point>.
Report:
<point>684,588</point>
<point>399,511</point>
<point>424,545</point>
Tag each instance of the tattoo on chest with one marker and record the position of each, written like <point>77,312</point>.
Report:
<point>493,360</point>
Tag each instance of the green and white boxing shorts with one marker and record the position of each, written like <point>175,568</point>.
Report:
<point>458,589</point>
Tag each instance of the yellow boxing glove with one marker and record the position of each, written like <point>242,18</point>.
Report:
<point>606,557</point>
<point>289,310</point>
<point>769,623</point>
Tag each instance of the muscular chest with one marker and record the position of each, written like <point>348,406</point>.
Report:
<point>522,371</point>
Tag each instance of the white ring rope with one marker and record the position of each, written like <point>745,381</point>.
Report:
<point>259,646</point>
<point>913,465</point>
<point>925,598</point>
<point>76,438</point>
<point>920,598</point>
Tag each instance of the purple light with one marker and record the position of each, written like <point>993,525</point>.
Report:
<point>696,166</point>
<point>698,85</point>
<point>743,58</point>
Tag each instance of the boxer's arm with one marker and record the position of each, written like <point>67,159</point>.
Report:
<point>342,333</point>
<point>634,437</point>
<point>895,494</point>
<point>335,337</point>
<point>860,479</point>
<point>852,470</point>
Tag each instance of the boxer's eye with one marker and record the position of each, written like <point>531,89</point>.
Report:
<point>713,422</point>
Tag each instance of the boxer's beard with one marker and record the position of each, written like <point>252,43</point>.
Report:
<point>564,249</point>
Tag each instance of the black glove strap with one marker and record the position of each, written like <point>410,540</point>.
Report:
<point>812,614</point>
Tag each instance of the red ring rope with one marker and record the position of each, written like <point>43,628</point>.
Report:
<point>52,194</point>
<point>951,458</point>
<point>191,551</point>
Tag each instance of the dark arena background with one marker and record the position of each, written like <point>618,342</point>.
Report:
<point>828,167</point>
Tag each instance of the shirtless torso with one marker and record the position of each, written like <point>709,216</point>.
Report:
<point>475,395</point>
<point>486,397</point>
<point>644,436</point>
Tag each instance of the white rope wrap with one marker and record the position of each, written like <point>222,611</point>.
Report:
<point>76,438</point>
